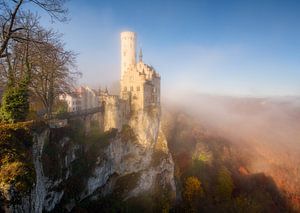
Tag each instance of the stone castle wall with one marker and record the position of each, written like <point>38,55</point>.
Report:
<point>115,112</point>
<point>139,87</point>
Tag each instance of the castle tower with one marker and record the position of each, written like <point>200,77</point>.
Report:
<point>140,83</point>
<point>128,51</point>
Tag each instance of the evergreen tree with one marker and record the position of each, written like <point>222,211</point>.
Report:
<point>15,102</point>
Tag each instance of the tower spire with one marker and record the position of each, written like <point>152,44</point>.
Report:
<point>141,55</point>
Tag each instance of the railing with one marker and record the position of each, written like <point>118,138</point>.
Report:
<point>78,113</point>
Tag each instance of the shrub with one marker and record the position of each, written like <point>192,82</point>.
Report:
<point>15,105</point>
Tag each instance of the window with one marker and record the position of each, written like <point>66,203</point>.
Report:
<point>131,88</point>
<point>138,88</point>
<point>125,89</point>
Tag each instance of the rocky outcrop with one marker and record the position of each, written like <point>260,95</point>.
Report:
<point>47,191</point>
<point>45,194</point>
<point>140,148</point>
<point>134,160</point>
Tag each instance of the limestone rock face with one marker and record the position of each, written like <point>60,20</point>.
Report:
<point>135,161</point>
<point>47,190</point>
<point>140,150</point>
<point>112,115</point>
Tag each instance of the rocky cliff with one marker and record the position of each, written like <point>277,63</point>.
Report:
<point>75,171</point>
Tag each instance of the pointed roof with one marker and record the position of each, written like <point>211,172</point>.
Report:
<point>141,55</point>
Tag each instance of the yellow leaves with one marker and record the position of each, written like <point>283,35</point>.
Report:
<point>192,193</point>
<point>9,170</point>
<point>202,154</point>
<point>192,189</point>
<point>16,169</point>
<point>12,173</point>
<point>15,126</point>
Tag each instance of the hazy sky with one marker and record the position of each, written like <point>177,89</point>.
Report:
<point>218,47</point>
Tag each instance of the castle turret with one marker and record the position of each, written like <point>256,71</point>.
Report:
<point>128,51</point>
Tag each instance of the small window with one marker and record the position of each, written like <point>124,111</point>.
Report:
<point>131,88</point>
<point>138,88</point>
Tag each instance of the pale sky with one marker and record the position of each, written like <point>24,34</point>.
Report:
<point>216,47</point>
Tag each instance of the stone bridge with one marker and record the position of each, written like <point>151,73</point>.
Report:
<point>79,113</point>
<point>87,115</point>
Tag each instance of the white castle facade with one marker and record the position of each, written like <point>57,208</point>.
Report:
<point>139,89</point>
<point>139,86</point>
<point>140,83</point>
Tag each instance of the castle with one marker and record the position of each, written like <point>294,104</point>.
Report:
<point>139,89</point>
<point>140,83</point>
<point>139,86</point>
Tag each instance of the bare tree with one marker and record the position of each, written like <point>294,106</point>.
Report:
<point>52,70</point>
<point>39,60</point>
<point>17,64</point>
<point>11,13</point>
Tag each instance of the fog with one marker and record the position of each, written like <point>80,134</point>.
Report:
<point>267,129</point>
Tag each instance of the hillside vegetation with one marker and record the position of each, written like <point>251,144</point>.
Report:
<point>213,143</point>
<point>17,173</point>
